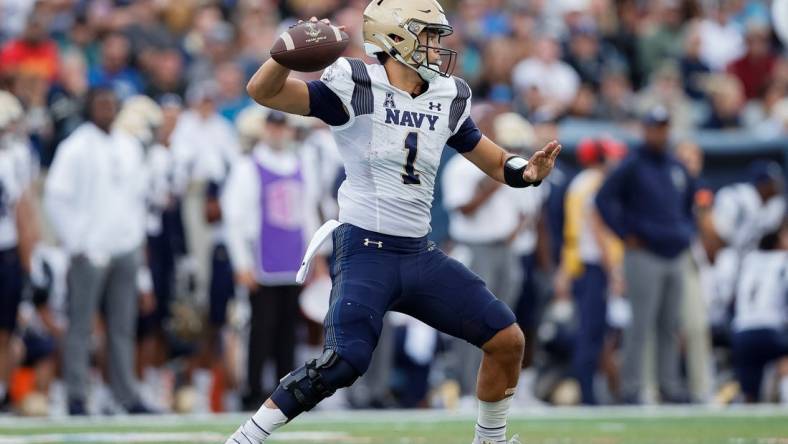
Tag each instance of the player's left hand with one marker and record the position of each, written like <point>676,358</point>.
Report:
<point>542,162</point>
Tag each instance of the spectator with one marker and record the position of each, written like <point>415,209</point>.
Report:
<point>34,54</point>
<point>548,84</point>
<point>762,315</point>
<point>499,58</point>
<point>81,38</point>
<point>693,69</point>
<point>727,98</point>
<point>647,202</point>
<point>616,97</point>
<point>145,31</point>
<point>65,100</point>
<point>763,116</point>
<point>665,90</point>
<point>721,37</point>
<point>166,74</point>
<point>232,96</point>
<point>95,194</point>
<point>216,48</point>
<point>584,106</point>
<point>15,15</point>
<point>115,70</point>
<point>624,38</point>
<point>265,200</point>
<point>587,55</point>
<point>661,41</point>
<point>590,270</point>
<point>756,67</point>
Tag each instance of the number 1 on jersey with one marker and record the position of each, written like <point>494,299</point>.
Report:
<point>410,177</point>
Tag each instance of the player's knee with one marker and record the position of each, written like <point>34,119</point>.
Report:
<point>310,384</point>
<point>508,343</point>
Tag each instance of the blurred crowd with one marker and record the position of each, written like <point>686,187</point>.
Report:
<point>152,218</point>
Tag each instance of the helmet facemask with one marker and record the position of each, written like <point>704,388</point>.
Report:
<point>428,36</point>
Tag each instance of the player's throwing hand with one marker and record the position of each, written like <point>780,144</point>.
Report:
<point>542,162</point>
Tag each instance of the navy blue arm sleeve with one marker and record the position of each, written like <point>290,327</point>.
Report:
<point>608,200</point>
<point>466,138</point>
<point>325,104</point>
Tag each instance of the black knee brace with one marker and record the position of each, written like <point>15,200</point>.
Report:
<point>318,379</point>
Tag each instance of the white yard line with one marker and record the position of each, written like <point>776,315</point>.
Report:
<point>10,423</point>
<point>56,438</point>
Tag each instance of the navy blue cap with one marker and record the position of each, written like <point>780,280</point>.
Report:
<point>657,116</point>
<point>765,171</point>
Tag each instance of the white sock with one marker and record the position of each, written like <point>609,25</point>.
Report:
<point>491,424</point>
<point>259,427</point>
<point>784,390</point>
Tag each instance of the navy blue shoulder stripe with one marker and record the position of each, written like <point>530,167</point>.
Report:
<point>362,100</point>
<point>459,103</point>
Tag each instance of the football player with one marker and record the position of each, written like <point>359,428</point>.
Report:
<point>391,121</point>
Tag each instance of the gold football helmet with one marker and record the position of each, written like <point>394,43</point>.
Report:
<point>393,27</point>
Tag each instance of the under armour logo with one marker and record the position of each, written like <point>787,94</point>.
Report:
<point>389,102</point>
<point>435,106</point>
<point>378,243</point>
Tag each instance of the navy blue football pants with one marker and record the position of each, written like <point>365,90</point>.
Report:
<point>590,294</point>
<point>373,273</point>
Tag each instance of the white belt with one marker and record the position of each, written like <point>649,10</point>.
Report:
<point>318,239</point>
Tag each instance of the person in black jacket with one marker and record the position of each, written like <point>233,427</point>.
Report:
<point>647,202</point>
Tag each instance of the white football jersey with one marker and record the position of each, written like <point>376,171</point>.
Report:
<point>17,171</point>
<point>391,145</point>
<point>741,218</point>
<point>763,289</point>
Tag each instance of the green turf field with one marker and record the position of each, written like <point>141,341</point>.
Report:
<point>763,425</point>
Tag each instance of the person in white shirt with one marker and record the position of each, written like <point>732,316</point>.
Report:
<point>18,226</point>
<point>273,218</point>
<point>761,322</point>
<point>548,85</point>
<point>722,40</point>
<point>484,222</point>
<point>95,200</point>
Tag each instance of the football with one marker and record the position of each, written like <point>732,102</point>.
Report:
<point>309,46</point>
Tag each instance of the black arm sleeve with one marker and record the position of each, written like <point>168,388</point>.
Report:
<point>325,104</point>
<point>466,138</point>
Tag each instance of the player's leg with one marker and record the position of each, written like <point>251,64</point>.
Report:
<point>668,330</point>
<point>748,361</point>
<point>644,277</point>
<point>590,301</point>
<point>364,282</point>
<point>447,296</point>
<point>259,344</point>
<point>85,281</point>
<point>10,297</point>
